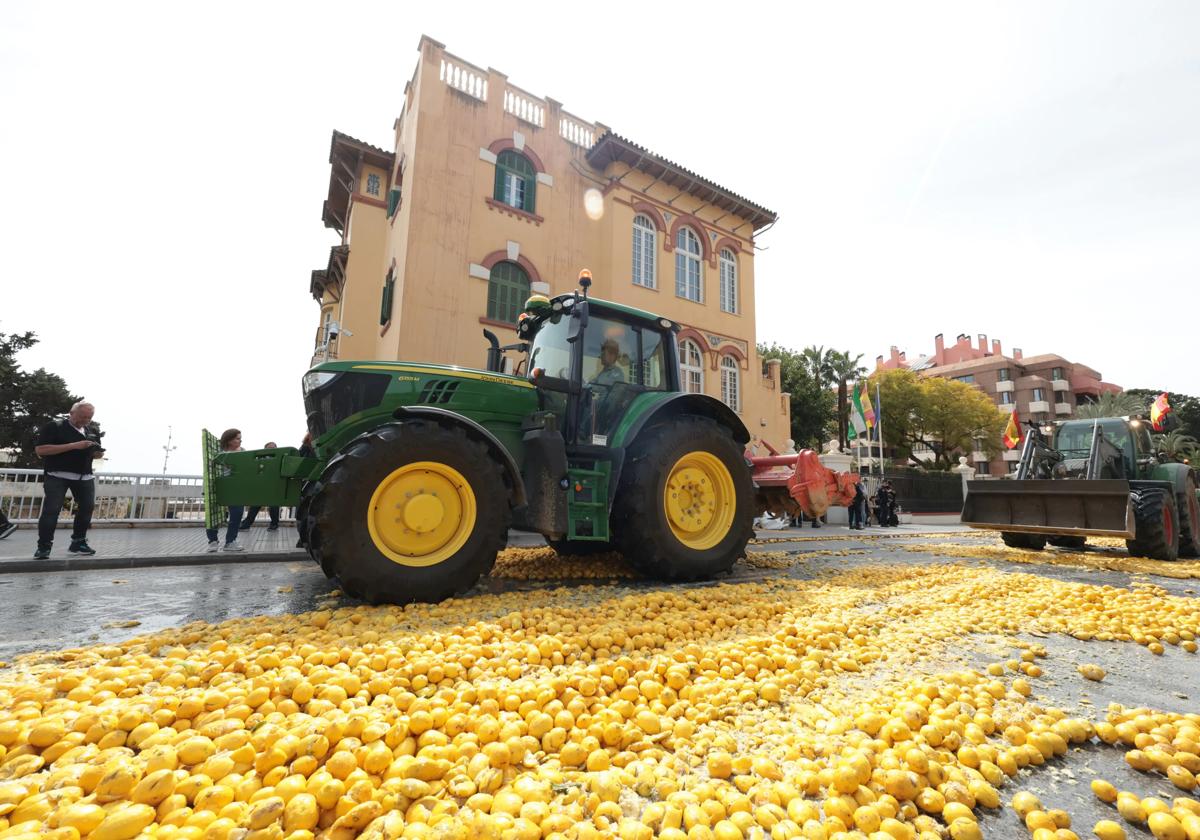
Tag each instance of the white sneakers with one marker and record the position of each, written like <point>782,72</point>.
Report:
<point>233,546</point>
<point>213,545</point>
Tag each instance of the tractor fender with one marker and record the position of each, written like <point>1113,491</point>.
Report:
<point>445,417</point>
<point>1177,474</point>
<point>662,410</point>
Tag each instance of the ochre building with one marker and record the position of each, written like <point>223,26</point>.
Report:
<point>491,193</point>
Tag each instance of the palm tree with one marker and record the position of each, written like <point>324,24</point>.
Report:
<point>1177,446</point>
<point>844,369</point>
<point>819,362</point>
<point>1111,405</point>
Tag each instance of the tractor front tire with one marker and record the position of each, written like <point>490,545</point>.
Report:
<point>1067,542</point>
<point>304,523</point>
<point>409,512</point>
<point>1029,542</point>
<point>685,507</point>
<point>1189,520</point>
<point>1156,525</point>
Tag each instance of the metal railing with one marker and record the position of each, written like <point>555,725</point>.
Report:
<point>145,497</point>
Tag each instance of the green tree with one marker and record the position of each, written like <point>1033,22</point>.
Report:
<point>1113,405</point>
<point>28,400</point>
<point>819,363</point>
<point>812,403</point>
<point>1186,408</point>
<point>946,416</point>
<point>844,368</point>
<point>1176,445</point>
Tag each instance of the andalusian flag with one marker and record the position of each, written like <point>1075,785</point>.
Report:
<point>862,416</point>
<point>1012,432</point>
<point>1159,411</point>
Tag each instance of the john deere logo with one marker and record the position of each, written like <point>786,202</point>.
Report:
<point>408,378</point>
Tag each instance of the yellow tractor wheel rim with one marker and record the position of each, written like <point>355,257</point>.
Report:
<point>699,500</point>
<point>421,514</point>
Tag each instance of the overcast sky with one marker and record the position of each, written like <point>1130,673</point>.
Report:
<point>1026,170</point>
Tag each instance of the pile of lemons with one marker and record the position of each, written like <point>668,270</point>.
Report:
<point>777,708</point>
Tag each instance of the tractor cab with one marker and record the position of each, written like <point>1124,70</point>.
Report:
<point>591,359</point>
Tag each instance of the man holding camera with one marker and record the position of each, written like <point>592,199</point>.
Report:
<point>68,446</point>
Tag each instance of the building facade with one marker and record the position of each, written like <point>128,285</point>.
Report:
<point>1041,388</point>
<point>491,193</point>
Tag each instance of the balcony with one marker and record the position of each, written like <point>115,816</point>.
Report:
<point>1007,408</point>
<point>1062,408</point>
<point>1012,454</point>
<point>1005,385</point>
<point>1060,385</point>
<point>324,353</point>
<point>1039,407</point>
<point>976,457</point>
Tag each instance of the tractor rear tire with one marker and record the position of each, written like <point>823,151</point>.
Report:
<point>581,548</point>
<point>1189,520</point>
<point>438,545</point>
<point>1156,525</point>
<point>1029,542</point>
<point>1067,542</point>
<point>698,530</point>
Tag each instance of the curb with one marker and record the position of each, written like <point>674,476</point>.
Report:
<point>85,564</point>
<point>81,564</point>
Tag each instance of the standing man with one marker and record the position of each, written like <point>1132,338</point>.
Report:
<point>68,447</point>
<point>883,510</point>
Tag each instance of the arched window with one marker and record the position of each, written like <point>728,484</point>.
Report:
<point>731,392</point>
<point>508,288</point>
<point>644,241</point>
<point>687,265</point>
<point>516,182</point>
<point>691,367</point>
<point>729,281</point>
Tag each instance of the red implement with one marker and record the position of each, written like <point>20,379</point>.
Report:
<point>787,484</point>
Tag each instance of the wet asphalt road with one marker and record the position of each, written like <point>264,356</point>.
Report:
<point>54,611</point>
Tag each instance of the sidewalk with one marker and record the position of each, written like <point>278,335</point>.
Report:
<point>124,548</point>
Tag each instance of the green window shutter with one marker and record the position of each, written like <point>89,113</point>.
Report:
<point>393,201</point>
<point>508,288</point>
<point>530,192</point>
<point>498,192</point>
<point>519,165</point>
<point>385,304</point>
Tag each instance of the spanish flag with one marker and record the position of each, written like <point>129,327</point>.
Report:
<point>1159,411</point>
<point>1012,432</point>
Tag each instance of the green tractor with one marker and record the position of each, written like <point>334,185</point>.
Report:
<point>422,469</point>
<point>1093,478</point>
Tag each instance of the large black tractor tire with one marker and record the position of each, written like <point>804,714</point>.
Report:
<point>581,548</point>
<point>1029,542</point>
<point>378,567</point>
<point>304,523</point>
<point>645,530</point>
<point>1156,525</point>
<point>1189,520</point>
<point>1067,542</point>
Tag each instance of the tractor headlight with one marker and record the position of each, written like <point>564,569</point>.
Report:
<point>315,379</point>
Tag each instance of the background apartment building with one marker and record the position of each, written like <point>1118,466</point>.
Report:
<point>1041,388</point>
<point>491,193</point>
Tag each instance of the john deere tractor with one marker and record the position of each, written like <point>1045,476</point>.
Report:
<point>421,469</point>
<point>1092,478</point>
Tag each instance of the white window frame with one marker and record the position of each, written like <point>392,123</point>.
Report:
<point>729,281</point>
<point>514,189</point>
<point>326,320</point>
<point>691,367</point>
<point>645,252</point>
<point>689,266</point>
<point>731,381</point>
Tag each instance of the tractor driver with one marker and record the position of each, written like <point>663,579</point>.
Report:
<point>609,373</point>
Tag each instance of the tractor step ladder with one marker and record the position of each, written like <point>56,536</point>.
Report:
<point>587,503</point>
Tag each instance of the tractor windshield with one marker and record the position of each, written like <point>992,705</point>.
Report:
<point>549,350</point>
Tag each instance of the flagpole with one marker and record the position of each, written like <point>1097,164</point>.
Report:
<point>879,425</point>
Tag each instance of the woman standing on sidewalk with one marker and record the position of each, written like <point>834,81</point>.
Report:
<point>231,441</point>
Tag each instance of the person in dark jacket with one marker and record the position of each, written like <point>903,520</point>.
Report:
<point>883,504</point>
<point>7,526</point>
<point>858,507</point>
<point>68,445</point>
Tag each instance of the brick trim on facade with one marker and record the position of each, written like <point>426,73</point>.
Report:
<point>504,144</point>
<point>697,226</point>
<point>515,212</point>
<point>651,212</point>
<point>489,262</point>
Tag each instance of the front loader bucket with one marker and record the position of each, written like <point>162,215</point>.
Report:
<point>1080,508</point>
